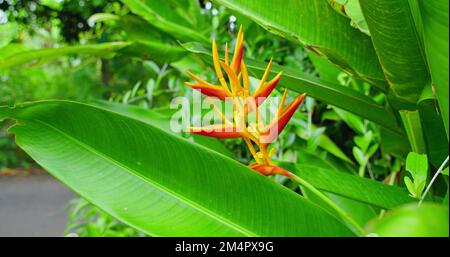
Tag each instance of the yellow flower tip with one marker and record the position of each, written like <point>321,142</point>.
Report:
<point>238,51</point>
<point>226,53</point>
<point>192,75</point>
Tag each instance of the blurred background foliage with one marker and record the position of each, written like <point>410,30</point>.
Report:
<point>318,133</point>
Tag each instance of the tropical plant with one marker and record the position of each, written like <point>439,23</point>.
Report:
<point>379,66</point>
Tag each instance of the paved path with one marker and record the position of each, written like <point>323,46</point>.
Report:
<point>32,205</point>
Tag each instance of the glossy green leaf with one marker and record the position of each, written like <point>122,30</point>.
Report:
<point>315,25</point>
<point>411,220</point>
<point>189,10</point>
<point>417,166</point>
<point>359,211</point>
<point>158,52</point>
<point>395,38</point>
<point>433,128</point>
<point>162,121</point>
<point>359,155</point>
<point>329,92</point>
<point>413,127</point>
<point>392,143</point>
<point>157,182</point>
<point>351,186</point>
<point>161,15</point>
<point>327,70</point>
<point>41,55</point>
<point>155,51</point>
<point>138,29</point>
<point>53,4</point>
<point>435,28</point>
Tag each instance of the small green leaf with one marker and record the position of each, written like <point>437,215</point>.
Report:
<point>420,186</point>
<point>359,155</point>
<point>372,149</point>
<point>364,141</point>
<point>445,171</point>
<point>417,165</point>
<point>409,184</point>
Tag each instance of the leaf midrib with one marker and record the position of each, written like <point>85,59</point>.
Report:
<point>177,196</point>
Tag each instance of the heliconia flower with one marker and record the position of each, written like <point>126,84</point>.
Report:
<point>237,90</point>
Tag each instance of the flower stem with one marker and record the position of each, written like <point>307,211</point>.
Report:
<point>328,201</point>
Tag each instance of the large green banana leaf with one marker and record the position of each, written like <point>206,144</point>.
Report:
<point>435,29</point>
<point>315,25</point>
<point>329,182</point>
<point>397,44</point>
<point>158,52</point>
<point>14,58</point>
<point>157,182</point>
<point>162,121</point>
